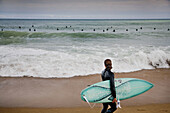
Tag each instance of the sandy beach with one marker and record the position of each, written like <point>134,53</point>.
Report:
<point>153,108</point>
<point>61,95</point>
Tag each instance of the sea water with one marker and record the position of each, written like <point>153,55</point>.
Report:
<point>66,48</point>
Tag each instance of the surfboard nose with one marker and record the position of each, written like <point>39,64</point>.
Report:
<point>151,85</point>
<point>132,88</point>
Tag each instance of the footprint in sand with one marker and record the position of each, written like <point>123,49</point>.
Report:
<point>164,110</point>
<point>141,110</point>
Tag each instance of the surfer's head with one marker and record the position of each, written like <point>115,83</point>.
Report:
<point>108,64</point>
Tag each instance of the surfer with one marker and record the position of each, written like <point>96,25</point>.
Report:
<point>108,75</point>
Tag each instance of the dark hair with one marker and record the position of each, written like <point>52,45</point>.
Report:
<point>107,60</point>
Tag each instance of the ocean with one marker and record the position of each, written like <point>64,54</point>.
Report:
<point>67,48</point>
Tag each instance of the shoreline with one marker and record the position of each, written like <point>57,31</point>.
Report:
<point>30,92</point>
<point>117,73</point>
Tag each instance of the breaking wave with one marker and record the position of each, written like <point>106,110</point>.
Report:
<point>17,61</point>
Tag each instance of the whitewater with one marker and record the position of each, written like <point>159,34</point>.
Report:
<point>67,48</point>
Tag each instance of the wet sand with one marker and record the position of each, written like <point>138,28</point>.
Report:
<point>22,93</point>
<point>154,108</point>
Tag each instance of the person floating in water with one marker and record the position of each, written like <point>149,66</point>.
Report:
<point>108,75</point>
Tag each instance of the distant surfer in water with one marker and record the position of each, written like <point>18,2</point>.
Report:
<point>108,75</point>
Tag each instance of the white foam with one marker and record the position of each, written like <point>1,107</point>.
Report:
<point>141,60</point>
<point>40,63</point>
<point>18,61</point>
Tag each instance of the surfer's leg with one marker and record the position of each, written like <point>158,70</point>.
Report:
<point>113,108</point>
<point>105,106</point>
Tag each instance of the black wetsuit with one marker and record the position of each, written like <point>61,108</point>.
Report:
<point>108,75</point>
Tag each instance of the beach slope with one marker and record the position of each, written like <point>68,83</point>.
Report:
<point>22,93</point>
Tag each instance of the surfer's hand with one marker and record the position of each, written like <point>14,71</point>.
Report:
<point>115,100</point>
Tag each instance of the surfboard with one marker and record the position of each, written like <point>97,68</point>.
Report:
<point>125,88</point>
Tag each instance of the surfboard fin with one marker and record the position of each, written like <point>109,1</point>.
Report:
<point>111,98</point>
<point>91,106</point>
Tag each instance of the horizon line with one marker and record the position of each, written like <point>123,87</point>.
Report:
<point>83,19</point>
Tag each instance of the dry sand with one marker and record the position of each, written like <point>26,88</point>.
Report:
<point>61,95</point>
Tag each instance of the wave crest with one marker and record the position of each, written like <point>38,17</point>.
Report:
<point>10,37</point>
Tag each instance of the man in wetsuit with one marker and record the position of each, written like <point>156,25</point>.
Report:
<point>108,75</point>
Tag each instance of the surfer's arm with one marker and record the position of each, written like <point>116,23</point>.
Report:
<point>112,86</point>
